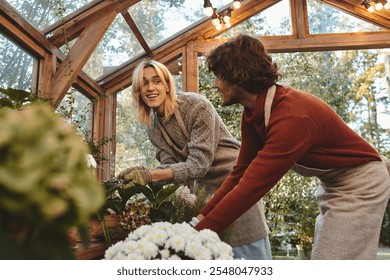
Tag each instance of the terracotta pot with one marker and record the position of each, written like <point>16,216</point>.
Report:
<point>95,229</point>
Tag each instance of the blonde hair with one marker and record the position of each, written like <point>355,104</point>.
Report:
<point>145,112</point>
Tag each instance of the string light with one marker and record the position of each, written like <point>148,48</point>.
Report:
<point>236,5</point>
<point>378,5</point>
<point>220,20</point>
<point>208,8</point>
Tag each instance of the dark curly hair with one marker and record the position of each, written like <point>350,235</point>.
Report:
<point>244,61</point>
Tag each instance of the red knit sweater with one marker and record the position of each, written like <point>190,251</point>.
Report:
<point>302,129</point>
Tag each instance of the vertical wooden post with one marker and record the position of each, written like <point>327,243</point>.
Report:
<point>190,68</point>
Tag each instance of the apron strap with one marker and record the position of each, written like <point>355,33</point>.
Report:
<point>183,152</point>
<point>268,103</point>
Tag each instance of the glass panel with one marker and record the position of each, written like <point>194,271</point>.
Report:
<point>118,45</point>
<point>325,19</point>
<point>16,66</point>
<point>158,20</point>
<point>132,143</point>
<point>276,20</point>
<point>353,82</point>
<point>43,13</point>
<point>77,110</point>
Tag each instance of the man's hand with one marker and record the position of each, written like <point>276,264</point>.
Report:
<point>127,171</point>
<point>141,177</point>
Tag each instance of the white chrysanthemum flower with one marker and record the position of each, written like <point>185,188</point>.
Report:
<point>160,237</point>
<point>225,251</point>
<point>174,257</point>
<point>165,254</point>
<point>202,254</point>
<point>176,240</point>
<point>176,243</point>
<point>192,248</point>
<point>134,256</point>
<point>130,245</point>
<point>151,236</point>
<point>210,235</point>
<point>150,250</point>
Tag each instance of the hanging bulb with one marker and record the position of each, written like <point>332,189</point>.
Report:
<point>219,26</point>
<point>236,4</point>
<point>387,6</point>
<point>228,24</point>
<point>378,6</point>
<point>227,16</point>
<point>371,9</point>
<point>208,8</point>
<point>215,18</point>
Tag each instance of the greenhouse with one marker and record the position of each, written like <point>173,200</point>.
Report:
<point>73,77</point>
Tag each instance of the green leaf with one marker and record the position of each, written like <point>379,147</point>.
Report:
<point>168,208</point>
<point>156,187</point>
<point>165,193</point>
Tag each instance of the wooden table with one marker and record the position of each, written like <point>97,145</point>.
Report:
<point>95,250</point>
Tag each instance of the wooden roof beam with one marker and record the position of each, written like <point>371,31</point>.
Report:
<point>75,25</point>
<point>78,56</point>
<point>173,44</point>
<point>354,8</point>
<point>318,42</point>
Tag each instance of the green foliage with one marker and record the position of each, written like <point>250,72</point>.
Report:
<point>16,98</point>
<point>231,115</point>
<point>46,187</point>
<point>157,195</point>
<point>291,210</point>
<point>384,239</point>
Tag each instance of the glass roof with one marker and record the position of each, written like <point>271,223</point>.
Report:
<point>159,20</point>
<point>43,13</point>
<point>341,22</point>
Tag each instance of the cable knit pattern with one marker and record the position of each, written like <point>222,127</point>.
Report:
<point>302,129</point>
<point>207,132</point>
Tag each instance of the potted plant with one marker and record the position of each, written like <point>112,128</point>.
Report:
<point>46,187</point>
<point>167,241</point>
<point>136,204</point>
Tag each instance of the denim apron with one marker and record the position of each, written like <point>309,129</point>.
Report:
<point>249,227</point>
<point>352,203</point>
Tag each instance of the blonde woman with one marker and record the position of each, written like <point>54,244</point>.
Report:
<point>194,147</point>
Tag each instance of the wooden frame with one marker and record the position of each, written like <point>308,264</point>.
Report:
<point>57,72</point>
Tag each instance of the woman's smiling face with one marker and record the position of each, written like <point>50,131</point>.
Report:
<point>154,90</point>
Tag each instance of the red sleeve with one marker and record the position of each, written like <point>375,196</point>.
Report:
<point>288,139</point>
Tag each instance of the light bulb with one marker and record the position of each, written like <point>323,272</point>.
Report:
<point>371,9</point>
<point>387,6</point>
<point>215,21</point>
<point>378,6</point>
<point>236,4</point>
<point>228,24</point>
<point>226,19</point>
<point>208,11</point>
<point>218,26</point>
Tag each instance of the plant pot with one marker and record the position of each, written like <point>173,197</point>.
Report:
<point>96,233</point>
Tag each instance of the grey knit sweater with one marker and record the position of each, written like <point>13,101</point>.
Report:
<point>207,132</point>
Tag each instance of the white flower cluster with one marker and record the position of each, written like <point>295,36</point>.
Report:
<point>166,241</point>
<point>184,193</point>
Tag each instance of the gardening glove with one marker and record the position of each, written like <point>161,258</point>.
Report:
<point>127,171</point>
<point>141,177</point>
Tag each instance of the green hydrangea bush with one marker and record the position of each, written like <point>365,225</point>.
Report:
<point>46,187</point>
